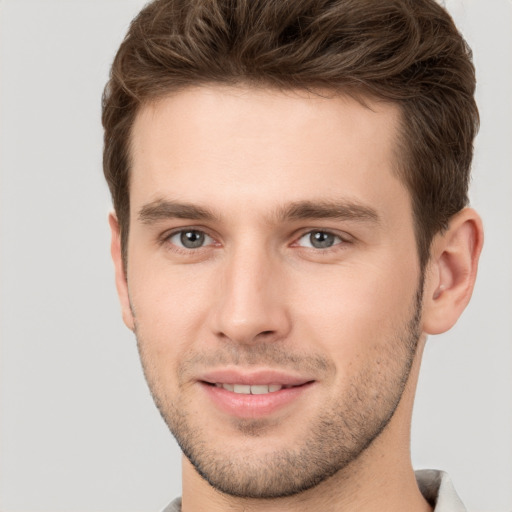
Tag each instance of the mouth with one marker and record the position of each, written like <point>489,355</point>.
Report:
<point>256,394</point>
<point>255,389</point>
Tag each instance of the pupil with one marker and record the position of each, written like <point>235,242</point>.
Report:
<point>192,239</point>
<point>321,240</point>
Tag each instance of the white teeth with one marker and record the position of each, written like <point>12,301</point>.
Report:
<point>245,389</point>
<point>259,390</point>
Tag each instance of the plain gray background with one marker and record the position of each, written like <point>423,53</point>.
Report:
<point>78,430</point>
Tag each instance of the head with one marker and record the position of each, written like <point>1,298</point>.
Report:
<point>347,126</point>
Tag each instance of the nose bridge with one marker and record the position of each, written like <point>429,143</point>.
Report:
<point>252,300</point>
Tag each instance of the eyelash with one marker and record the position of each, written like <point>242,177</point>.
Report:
<point>166,240</point>
<point>311,232</point>
<point>341,240</point>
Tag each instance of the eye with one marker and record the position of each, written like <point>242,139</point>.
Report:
<point>319,240</point>
<point>190,239</point>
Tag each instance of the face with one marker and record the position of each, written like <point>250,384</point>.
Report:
<point>272,280</point>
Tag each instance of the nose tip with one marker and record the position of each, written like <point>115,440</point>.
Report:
<point>252,305</point>
<point>252,318</point>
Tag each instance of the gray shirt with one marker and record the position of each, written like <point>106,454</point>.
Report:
<point>436,487</point>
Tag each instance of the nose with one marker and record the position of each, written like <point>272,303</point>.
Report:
<point>252,303</point>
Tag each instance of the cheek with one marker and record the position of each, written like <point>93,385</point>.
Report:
<point>354,311</point>
<point>170,306</point>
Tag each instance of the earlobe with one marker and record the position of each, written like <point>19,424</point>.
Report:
<point>451,272</point>
<point>121,282</point>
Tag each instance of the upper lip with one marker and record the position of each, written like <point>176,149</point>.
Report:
<point>253,377</point>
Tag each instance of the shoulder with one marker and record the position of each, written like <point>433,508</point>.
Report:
<point>437,488</point>
<point>174,506</point>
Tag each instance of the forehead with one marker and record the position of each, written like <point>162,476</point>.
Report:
<point>223,146</point>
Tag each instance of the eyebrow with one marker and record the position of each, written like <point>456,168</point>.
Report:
<point>163,209</point>
<point>336,210</point>
<point>300,210</point>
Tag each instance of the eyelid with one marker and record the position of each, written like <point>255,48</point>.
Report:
<point>165,237</point>
<point>344,237</point>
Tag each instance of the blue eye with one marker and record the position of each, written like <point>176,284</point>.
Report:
<point>319,240</point>
<point>190,239</point>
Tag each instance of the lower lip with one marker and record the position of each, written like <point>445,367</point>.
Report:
<point>253,406</point>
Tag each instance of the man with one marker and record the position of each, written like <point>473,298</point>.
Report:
<point>290,190</point>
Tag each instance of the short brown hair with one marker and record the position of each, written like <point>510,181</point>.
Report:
<point>405,51</point>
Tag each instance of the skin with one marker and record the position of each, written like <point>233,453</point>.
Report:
<point>256,295</point>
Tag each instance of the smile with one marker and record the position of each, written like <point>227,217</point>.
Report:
<point>246,389</point>
<point>254,394</point>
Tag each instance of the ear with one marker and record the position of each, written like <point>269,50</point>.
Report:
<point>121,282</point>
<point>451,271</point>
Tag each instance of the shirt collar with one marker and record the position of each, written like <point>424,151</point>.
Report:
<point>437,488</point>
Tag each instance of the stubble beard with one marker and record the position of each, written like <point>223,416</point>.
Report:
<point>334,439</point>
